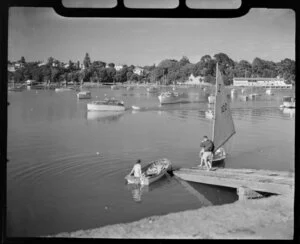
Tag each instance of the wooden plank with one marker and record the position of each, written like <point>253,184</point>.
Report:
<point>236,179</point>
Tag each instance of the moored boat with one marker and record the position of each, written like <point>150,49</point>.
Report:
<point>84,95</point>
<point>211,99</point>
<point>288,102</point>
<point>173,97</point>
<point>17,88</point>
<point>209,114</point>
<point>253,96</point>
<point>151,172</point>
<point>135,107</point>
<point>233,92</point>
<point>152,89</point>
<point>290,111</point>
<point>108,104</point>
<point>104,116</point>
<point>244,98</point>
<point>114,87</point>
<point>62,89</point>
<point>269,92</point>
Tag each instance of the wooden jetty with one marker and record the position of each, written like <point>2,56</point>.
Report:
<point>247,181</point>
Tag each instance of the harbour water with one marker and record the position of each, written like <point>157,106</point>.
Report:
<point>67,165</point>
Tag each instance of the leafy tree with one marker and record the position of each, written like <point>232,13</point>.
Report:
<point>111,73</point>
<point>87,61</point>
<point>22,60</point>
<point>129,74</point>
<point>103,77</point>
<point>243,69</point>
<point>183,61</point>
<point>18,76</point>
<point>206,66</point>
<point>50,61</point>
<point>111,65</point>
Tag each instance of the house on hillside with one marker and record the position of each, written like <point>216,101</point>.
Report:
<point>42,63</point>
<point>11,68</point>
<point>138,70</point>
<point>192,80</point>
<point>118,67</point>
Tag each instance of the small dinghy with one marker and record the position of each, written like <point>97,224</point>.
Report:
<point>84,95</point>
<point>151,172</point>
<point>135,107</point>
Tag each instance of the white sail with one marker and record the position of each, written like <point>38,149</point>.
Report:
<point>223,126</point>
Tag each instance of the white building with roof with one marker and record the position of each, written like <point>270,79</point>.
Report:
<point>138,70</point>
<point>261,82</point>
<point>118,67</point>
<point>194,80</point>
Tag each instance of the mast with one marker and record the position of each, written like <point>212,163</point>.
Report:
<point>215,104</point>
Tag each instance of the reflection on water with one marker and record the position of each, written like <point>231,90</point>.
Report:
<point>104,116</point>
<point>137,191</point>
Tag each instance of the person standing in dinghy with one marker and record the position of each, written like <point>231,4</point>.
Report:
<point>206,152</point>
<point>137,169</point>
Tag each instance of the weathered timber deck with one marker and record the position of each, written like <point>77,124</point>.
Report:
<point>276,182</point>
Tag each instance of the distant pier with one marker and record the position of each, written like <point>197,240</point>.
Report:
<point>248,182</point>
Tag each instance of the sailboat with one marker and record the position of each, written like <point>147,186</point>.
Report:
<point>223,126</point>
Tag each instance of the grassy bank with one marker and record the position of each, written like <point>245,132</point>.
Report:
<point>267,218</point>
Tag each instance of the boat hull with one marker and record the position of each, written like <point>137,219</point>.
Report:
<point>148,179</point>
<point>104,107</point>
<point>172,99</point>
<point>84,95</point>
<point>269,92</point>
<point>288,105</point>
<point>63,89</point>
<point>209,114</point>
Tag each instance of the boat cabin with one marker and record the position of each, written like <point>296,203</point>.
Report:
<point>289,99</point>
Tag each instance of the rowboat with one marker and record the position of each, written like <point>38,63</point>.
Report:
<point>108,104</point>
<point>84,95</point>
<point>288,102</point>
<point>151,172</point>
<point>62,89</point>
<point>135,107</point>
<point>173,97</point>
<point>152,89</point>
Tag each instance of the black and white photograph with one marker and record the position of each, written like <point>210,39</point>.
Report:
<point>151,127</point>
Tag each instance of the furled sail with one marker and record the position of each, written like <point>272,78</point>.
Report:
<point>223,126</point>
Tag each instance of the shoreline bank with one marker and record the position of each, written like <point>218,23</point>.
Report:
<point>266,218</point>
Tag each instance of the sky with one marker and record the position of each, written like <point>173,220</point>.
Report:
<point>38,33</point>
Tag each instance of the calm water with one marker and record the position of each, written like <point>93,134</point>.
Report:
<point>67,165</point>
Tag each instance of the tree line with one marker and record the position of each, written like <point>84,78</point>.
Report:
<point>168,71</point>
